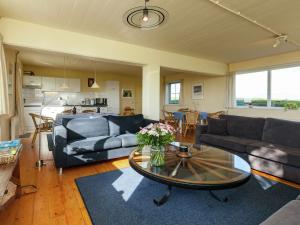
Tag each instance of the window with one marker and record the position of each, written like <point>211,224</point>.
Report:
<point>173,93</point>
<point>285,86</point>
<point>251,89</point>
<point>268,88</point>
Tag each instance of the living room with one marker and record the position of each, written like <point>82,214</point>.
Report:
<point>144,106</point>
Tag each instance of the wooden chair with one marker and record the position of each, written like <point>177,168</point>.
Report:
<point>191,120</point>
<point>170,119</point>
<point>128,111</point>
<point>216,115</point>
<point>67,111</point>
<point>88,111</point>
<point>41,124</point>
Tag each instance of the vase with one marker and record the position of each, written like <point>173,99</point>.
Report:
<point>157,155</point>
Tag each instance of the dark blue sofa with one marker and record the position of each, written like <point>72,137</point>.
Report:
<point>270,145</point>
<point>78,141</point>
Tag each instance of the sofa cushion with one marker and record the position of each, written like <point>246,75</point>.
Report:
<point>227,142</point>
<point>276,153</point>
<point>128,140</point>
<point>79,128</point>
<point>246,127</point>
<point>282,132</point>
<point>217,126</point>
<point>125,124</point>
<point>92,144</point>
<point>287,215</point>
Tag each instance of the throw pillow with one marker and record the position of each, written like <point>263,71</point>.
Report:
<point>217,126</point>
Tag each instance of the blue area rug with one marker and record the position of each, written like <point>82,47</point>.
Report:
<point>126,198</point>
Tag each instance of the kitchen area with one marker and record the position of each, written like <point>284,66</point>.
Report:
<point>50,96</point>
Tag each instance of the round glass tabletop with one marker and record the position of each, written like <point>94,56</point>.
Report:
<point>204,167</point>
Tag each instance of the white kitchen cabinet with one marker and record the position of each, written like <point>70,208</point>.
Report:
<point>30,81</point>
<point>113,93</point>
<point>48,84</point>
<point>74,85</point>
<point>59,82</point>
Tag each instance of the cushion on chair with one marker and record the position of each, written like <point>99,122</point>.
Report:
<point>282,132</point>
<point>128,140</point>
<point>92,144</point>
<point>125,124</point>
<point>276,153</point>
<point>227,142</point>
<point>245,127</point>
<point>79,128</point>
<point>217,126</point>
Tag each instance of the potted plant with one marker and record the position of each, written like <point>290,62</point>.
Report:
<point>156,136</point>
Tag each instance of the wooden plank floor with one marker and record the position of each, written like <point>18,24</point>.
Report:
<point>58,201</point>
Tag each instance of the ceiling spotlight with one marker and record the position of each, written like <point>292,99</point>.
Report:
<point>145,17</point>
<point>283,38</point>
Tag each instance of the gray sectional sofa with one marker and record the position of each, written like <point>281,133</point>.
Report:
<point>270,145</point>
<point>287,215</point>
<point>78,141</point>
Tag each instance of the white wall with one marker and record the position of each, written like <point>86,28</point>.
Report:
<point>214,90</point>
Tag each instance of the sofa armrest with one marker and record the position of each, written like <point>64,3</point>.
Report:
<point>200,129</point>
<point>148,121</point>
<point>60,142</point>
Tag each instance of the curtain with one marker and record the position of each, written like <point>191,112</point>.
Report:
<point>229,91</point>
<point>4,106</point>
<point>19,96</point>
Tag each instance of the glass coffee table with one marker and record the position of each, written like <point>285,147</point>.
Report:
<point>202,167</point>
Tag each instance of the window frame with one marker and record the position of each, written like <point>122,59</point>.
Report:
<point>168,92</point>
<point>269,86</point>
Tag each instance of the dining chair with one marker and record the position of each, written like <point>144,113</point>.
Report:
<point>216,115</point>
<point>41,124</point>
<point>170,119</point>
<point>88,111</point>
<point>67,111</point>
<point>191,120</point>
<point>128,111</point>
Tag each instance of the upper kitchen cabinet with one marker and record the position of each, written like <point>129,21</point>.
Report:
<point>48,84</point>
<point>72,85</point>
<point>59,84</point>
<point>32,81</point>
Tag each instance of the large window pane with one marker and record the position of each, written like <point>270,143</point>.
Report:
<point>285,86</point>
<point>251,89</point>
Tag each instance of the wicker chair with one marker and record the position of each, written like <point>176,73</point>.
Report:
<point>88,111</point>
<point>41,124</point>
<point>128,111</point>
<point>170,119</point>
<point>67,111</point>
<point>191,120</point>
<point>216,115</point>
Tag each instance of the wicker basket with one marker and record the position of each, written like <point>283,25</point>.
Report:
<point>6,159</point>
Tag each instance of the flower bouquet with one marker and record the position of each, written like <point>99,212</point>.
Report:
<point>157,136</point>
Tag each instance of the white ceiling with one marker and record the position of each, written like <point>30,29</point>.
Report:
<point>56,60</point>
<point>195,27</point>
